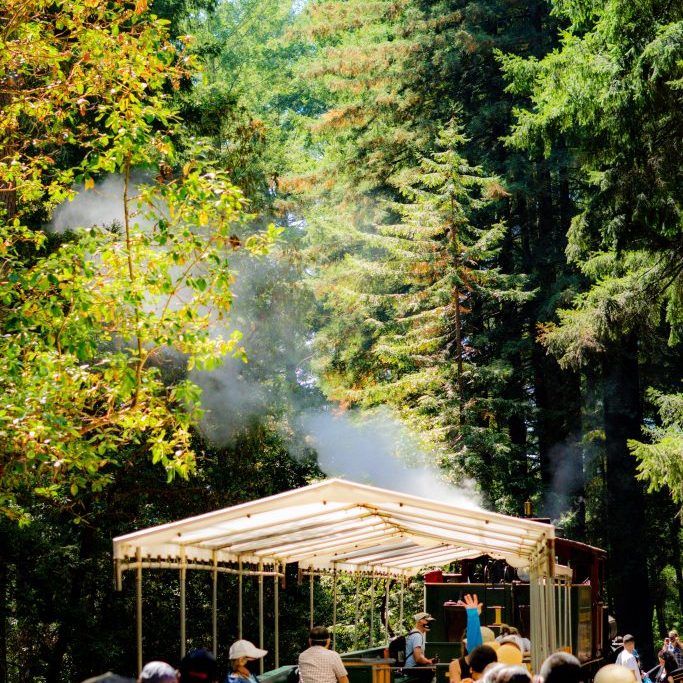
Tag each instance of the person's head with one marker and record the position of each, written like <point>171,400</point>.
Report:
<point>614,673</point>
<point>480,658</point>
<point>667,641</point>
<point>198,665</point>
<point>668,661</point>
<point>513,640</point>
<point>673,637</point>
<point>243,651</point>
<point>490,674</point>
<point>561,667</point>
<point>510,653</point>
<point>423,621</point>
<point>629,642</point>
<point>487,635</point>
<point>513,674</point>
<point>158,672</point>
<point>319,635</point>
<point>504,630</point>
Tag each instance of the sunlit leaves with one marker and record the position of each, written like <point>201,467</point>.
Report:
<point>100,331</point>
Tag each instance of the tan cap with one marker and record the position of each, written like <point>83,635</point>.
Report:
<point>423,615</point>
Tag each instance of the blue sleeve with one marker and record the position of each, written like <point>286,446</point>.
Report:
<point>413,640</point>
<point>473,629</point>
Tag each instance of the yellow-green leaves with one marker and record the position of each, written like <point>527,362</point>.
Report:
<point>99,331</point>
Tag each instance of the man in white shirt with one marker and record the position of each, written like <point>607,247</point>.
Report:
<point>627,658</point>
<point>319,664</point>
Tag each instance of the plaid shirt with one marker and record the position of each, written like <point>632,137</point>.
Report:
<point>676,651</point>
<point>317,664</point>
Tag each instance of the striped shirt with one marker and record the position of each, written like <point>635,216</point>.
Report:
<point>317,664</point>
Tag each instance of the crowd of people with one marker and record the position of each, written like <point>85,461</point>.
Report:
<point>317,664</point>
<point>670,659</point>
<point>486,659</point>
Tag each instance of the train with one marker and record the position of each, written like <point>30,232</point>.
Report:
<point>550,588</point>
<point>504,592</point>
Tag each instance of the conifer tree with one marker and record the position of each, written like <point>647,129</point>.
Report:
<point>428,291</point>
<point>396,73</point>
<point>612,92</point>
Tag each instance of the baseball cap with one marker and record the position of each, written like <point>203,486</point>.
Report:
<point>423,615</point>
<point>158,672</point>
<point>198,665</point>
<point>243,648</point>
<point>628,638</point>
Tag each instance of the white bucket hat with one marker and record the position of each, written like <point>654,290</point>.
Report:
<point>243,648</point>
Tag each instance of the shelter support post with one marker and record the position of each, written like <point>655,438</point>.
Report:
<point>386,609</point>
<point>357,613</point>
<point>542,590</point>
<point>310,597</point>
<point>569,613</point>
<point>334,608</point>
<point>260,612</point>
<point>214,605</point>
<point>138,607</point>
<point>240,578</point>
<point>183,582</point>
<point>400,608</point>
<point>118,578</point>
<point>276,608</point>
<point>372,610</point>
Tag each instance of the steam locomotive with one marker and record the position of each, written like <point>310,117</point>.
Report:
<point>504,592</point>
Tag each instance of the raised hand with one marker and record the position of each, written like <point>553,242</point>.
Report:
<point>471,601</point>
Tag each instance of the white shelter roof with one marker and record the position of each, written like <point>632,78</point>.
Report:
<point>337,524</point>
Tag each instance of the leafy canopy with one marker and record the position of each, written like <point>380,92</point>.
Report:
<point>89,324</point>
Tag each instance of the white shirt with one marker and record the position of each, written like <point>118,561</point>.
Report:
<point>317,664</point>
<point>626,658</point>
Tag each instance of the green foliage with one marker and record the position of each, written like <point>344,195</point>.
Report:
<point>661,458</point>
<point>92,319</point>
<point>393,75</point>
<point>66,621</point>
<point>413,304</point>
<point>611,94</point>
<point>627,297</point>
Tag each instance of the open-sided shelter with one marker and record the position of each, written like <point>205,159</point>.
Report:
<point>339,526</point>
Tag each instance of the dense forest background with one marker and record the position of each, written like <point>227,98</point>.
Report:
<point>402,241</point>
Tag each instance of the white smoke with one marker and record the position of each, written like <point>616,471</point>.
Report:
<point>377,449</point>
<point>373,449</point>
<point>102,205</point>
<point>566,458</point>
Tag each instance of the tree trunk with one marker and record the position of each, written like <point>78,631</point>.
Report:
<point>72,624</point>
<point>558,398</point>
<point>625,519</point>
<point>4,600</point>
<point>659,613</point>
<point>557,391</point>
<point>676,547</point>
